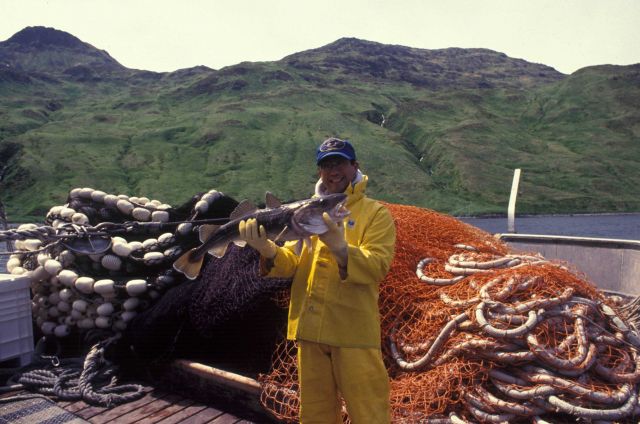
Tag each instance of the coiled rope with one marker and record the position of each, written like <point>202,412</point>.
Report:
<point>92,379</point>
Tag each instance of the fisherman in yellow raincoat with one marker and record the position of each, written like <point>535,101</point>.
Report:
<point>334,313</point>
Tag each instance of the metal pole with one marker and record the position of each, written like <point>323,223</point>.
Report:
<point>511,211</point>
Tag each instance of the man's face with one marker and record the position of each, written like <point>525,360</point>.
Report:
<point>337,172</point>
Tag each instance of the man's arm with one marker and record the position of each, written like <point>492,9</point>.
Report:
<point>284,264</point>
<point>275,261</point>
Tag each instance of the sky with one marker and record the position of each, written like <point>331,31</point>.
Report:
<point>166,35</point>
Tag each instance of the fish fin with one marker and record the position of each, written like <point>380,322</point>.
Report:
<point>282,233</point>
<point>272,201</point>
<point>218,251</point>
<point>244,208</point>
<point>206,231</point>
<point>240,243</point>
<point>187,266</point>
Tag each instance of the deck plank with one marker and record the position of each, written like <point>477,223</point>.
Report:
<point>144,411</point>
<point>91,411</point>
<point>113,413</point>
<point>183,414</point>
<point>203,416</point>
<point>166,412</point>
<point>225,419</point>
<point>77,406</point>
<point>64,403</point>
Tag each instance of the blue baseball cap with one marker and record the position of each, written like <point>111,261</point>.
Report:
<point>335,147</point>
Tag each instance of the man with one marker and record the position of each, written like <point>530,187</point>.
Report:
<point>334,313</point>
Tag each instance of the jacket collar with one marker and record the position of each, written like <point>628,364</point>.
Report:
<point>354,191</point>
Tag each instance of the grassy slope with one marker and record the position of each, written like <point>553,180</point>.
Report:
<point>576,141</point>
<point>452,150</point>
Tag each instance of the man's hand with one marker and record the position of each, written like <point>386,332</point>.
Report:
<point>257,238</point>
<point>335,241</point>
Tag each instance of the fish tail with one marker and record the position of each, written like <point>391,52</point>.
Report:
<point>188,266</point>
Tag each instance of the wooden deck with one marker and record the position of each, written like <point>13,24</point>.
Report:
<point>156,406</point>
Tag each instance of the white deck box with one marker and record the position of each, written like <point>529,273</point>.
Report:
<point>16,332</point>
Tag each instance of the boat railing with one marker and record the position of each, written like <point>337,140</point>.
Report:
<point>611,264</point>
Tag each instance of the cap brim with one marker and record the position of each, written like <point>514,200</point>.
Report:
<point>329,154</point>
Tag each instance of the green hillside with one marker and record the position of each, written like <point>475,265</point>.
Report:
<point>442,129</point>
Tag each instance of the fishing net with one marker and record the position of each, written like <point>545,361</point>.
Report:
<point>229,285</point>
<point>472,331</point>
<point>190,316</point>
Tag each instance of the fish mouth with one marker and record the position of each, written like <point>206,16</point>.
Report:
<point>340,211</point>
<point>308,220</point>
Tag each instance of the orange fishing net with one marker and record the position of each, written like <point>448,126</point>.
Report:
<point>480,328</point>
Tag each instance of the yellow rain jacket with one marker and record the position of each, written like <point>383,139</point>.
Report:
<point>326,309</point>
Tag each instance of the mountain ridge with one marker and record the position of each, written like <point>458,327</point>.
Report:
<point>452,122</point>
<point>427,68</point>
<point>45,36</point>
<point>48,50</point>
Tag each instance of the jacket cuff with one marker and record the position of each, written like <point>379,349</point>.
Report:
<point>266,265</point>
<point>281,266</point>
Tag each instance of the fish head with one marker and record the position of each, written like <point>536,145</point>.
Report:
<point>307,219</point>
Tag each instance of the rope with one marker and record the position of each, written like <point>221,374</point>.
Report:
<point>92,379</point>
<point>40,233</point>
<point>70,231</point>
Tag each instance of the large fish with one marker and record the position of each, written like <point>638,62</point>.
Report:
<point>291,221</point>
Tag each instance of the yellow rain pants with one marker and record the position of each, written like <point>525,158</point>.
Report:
<point>356,373</point>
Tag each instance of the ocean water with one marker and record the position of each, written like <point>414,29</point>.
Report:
<point>624,226</point>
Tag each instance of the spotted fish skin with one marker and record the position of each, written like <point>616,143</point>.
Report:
<point>283,222</point>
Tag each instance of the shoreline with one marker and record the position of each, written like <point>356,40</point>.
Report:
<point>544,215</point>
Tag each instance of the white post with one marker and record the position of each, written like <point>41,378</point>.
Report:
<point>4,225</point>
<point>511,211</point>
